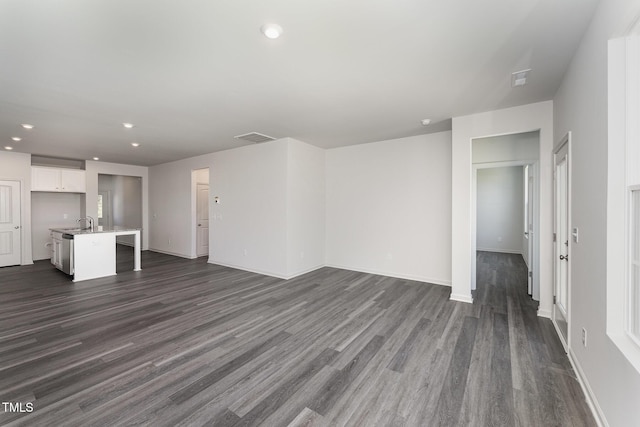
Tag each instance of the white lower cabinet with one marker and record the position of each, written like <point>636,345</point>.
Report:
<point>56,250</point>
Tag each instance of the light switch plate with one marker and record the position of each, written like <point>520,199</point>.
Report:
<point>575,234</point>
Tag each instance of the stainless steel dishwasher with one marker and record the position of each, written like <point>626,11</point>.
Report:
<point>67,253</point>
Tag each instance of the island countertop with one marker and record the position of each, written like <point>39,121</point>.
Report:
<point>99,229</point>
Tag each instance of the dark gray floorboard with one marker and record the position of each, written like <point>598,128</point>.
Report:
<point>188,343</point>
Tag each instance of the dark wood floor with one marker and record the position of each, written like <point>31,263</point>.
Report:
<point>184,342</point>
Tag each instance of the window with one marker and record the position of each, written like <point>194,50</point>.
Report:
<point>634,266</point>
<point>99,206</point>
<point>623,197</point>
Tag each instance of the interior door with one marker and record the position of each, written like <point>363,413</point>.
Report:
<point>530,230</point>
<point>561,242</point>
<point>202,219</point>
<point>10,248</point>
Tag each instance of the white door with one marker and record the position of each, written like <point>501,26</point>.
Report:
<point>530,230</point>
<point>202,219</point>
<point>561,243</point>
<point>9,223</point>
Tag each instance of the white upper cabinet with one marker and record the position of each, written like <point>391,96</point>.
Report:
<point>58,180</point>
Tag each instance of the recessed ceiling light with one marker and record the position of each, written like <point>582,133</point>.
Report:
<point>128,125</point>
<point>519,78</point>
<point>272,31</point>
<point>16,138</point>
<point>27,126</point>
<point>8,148</point>
<point>135,144</point>
<point>425,122</point>
<point>96,158</point>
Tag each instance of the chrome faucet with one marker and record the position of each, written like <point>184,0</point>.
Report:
<point>89,220</point>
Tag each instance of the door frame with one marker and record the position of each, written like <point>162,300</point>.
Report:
<point>530,232</point>
<point>21,258</point>
<point>565,140</point>
<point>536,218</point>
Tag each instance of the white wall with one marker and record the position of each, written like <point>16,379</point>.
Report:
<point>93,169</point>
<point>519,146</point>
<point>581,107</point>
<point>171,204</point>
<point>500,209</point>
<point>526,118</point>
<point>305,208</point>
<point>17,167</point>
<point>250,231</point>
<point>389,207</point>
<point>270,211</point>
<point>48,210</point>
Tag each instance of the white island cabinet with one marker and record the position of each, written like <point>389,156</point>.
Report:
<point>94,252</point>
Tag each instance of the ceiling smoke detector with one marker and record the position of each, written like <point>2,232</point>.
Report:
<point>519,78</point>
<point>254,137</point>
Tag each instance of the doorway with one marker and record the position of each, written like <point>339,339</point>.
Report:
<point>517,233</point>
<point>200,180</point>
<point>561,239</point>
<point>10,224</point>
<point>105,213</point>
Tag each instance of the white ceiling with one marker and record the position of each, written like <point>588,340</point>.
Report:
<point>191,74</point>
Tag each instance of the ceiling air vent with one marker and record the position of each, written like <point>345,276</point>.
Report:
<point>254,137</point>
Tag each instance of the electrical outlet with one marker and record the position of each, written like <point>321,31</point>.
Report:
<point>169,242</point>
<point>245,252</point>
<point>499,238</point>
<point>584,337</point>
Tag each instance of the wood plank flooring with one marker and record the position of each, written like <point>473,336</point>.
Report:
<point>186,343</point>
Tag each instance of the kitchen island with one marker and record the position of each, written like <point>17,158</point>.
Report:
<point>93,251</point>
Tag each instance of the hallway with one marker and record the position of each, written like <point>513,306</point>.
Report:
<point>544,387</point>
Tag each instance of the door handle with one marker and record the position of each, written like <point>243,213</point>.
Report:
<point>199,225</point>
<point>564,257</point>
<point>16,227</point>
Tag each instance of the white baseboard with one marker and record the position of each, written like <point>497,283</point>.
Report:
<point>172,253</point>
<point>308,270</point>
<point>291,276</point>
<point>544,313</point>
<point>396,275</point>
<point>588,391</point>
<point>461,298</point>
<point>251,270</point>
<point>502,251</point>
<point>266,273</point>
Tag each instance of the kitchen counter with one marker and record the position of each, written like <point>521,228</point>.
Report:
<point>98,229</point>
<point>94,252</point>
